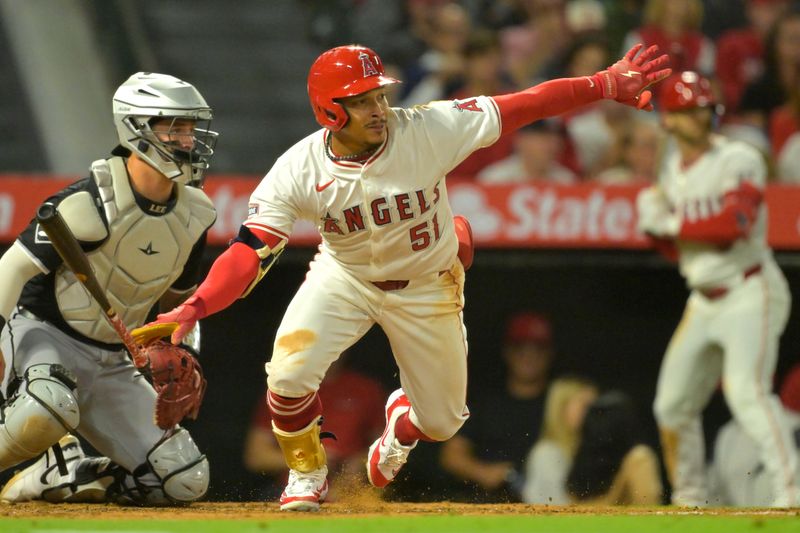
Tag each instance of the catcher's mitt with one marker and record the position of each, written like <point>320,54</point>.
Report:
<point>178,379</point>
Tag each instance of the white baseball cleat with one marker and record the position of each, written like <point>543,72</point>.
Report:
<point>86,479</point>
<point>31,483</point>
<point>305,490</point>
<point>386,455</point>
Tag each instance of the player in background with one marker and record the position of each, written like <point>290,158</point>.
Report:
<point>708,209</point>
<point>66,371</point>
<point>372,179</point>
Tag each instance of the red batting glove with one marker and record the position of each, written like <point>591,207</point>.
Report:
<point>626,80</point>
<point>186,315</point>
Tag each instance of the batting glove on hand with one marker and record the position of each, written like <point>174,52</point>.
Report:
<point>654,216</point>
<point>626,80</point>
<point>187,314</point>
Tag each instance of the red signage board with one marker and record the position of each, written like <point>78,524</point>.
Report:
<point>502,216</point>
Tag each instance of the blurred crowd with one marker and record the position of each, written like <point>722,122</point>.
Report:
<point>451,49</point>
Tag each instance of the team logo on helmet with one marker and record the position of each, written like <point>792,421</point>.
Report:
<point>367,65</point>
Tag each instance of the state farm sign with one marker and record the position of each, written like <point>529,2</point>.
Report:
<point>502,216</point>
<point>550,216</point>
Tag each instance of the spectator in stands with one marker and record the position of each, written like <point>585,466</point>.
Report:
<point>784,132</point>
<point>584,16</point>
<point>612,466</point>
<point>550,459</point>
<point>528,47</point>
<point>638,154</point>
<point>737,475</point>
<point>622,16</point>
<point>593,130</point>
<point>353,413</point>
<point>440,67</point>
<point>537,148</point>
<point>483,74</point>
<point>740,51</point>
<point>780,76</point>
<point>674,25</point>
<point>489,451</point>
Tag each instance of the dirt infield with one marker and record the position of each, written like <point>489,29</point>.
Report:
<point>260,510</point>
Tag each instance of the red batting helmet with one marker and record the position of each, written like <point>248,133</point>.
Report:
<point>340,72</point>
<point>685,90</point>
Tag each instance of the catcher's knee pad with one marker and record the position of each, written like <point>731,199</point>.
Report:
<point>42,410</point>
<point>180,467</point>
<point>302,449</point>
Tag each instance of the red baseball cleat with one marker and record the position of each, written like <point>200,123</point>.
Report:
<point>386,455</point>
<point>305,490</point>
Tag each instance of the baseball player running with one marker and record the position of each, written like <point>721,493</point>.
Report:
<point>373,181</point>
<point>65,370</point>
<point>709,204</point>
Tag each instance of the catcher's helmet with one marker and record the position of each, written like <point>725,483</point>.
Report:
<point>685,90</point>
<point>147,96</point>
<point>340,72</point>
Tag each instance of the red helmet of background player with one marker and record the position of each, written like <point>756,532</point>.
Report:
<point>685,90</point>
<point>340,72</point>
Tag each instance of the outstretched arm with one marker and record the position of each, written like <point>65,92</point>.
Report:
<point>625,81</point>
<point>232,275</point>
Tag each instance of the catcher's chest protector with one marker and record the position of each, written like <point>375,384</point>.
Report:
<point>142,256</point>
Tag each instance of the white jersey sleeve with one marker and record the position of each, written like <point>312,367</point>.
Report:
<point>742,163</point>
<point>277,202</point>
<point>456,128</point>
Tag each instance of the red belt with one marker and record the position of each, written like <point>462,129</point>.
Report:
<point>391,284</point>
<point>395,284</point>
<point>716,293</point>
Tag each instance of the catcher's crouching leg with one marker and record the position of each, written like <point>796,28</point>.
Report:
<point>175,473</point>
<point>41,411</point>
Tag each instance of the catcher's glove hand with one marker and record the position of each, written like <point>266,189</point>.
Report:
<point>178,379</point>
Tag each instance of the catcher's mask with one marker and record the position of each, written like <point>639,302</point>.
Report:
<point>151,113</point>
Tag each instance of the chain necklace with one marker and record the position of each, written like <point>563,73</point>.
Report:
<point>351,157</point>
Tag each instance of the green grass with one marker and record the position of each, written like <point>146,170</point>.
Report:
<point>420,524</point>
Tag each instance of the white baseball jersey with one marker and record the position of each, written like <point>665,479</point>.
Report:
<point>388,218</point>
<point>697,191</point>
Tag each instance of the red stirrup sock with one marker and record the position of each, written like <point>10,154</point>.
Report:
<point>407,433</point>
<point>293,414</point>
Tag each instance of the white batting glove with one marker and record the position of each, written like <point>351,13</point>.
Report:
<point>655,217</point>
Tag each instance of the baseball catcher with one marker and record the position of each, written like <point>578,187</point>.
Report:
<point>141,219</point>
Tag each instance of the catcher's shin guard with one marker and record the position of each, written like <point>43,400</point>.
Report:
<point>302,449</point>
<point>42,410</point>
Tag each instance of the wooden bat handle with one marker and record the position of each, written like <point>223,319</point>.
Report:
<point>75,258</point>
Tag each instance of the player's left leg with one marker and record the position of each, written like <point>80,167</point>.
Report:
<point>749,328</point>
<point>426,331</point>
<point>688,376</point>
